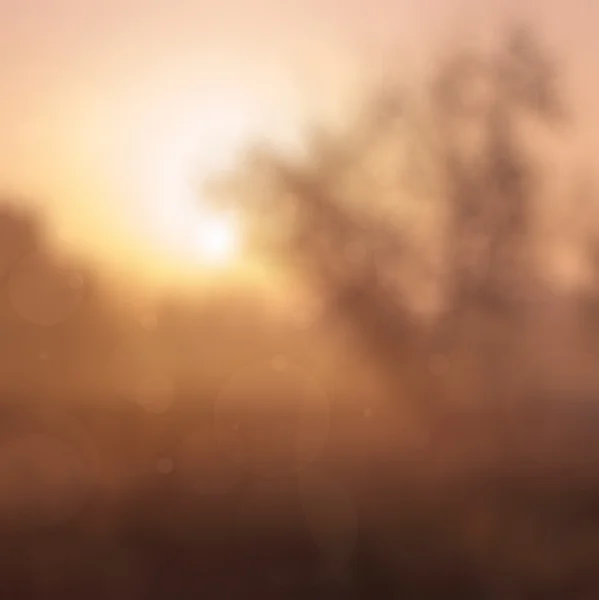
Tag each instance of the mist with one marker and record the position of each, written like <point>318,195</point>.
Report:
<point>406,404</point>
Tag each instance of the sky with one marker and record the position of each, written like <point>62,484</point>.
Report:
<point>103,103</point>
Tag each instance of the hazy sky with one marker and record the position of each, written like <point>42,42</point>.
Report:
<point>94,91</point>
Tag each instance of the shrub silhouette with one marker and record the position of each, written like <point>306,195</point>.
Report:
<point>430,191</point>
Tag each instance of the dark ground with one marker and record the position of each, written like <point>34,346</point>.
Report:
<point>102,503</point>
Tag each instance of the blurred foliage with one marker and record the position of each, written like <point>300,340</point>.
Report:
<point>67,332</point>
<point>417,227</point>
<point>418,223</point>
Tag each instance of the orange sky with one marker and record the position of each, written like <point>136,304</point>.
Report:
<point>92,89</point>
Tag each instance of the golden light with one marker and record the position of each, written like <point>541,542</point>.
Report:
<point>191,146</point>
<point>122,149</point>
<point>218,241</point>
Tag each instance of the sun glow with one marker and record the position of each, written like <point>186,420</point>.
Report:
<point>184,225</point>
<point>195,237</point>
<point>218,240</point>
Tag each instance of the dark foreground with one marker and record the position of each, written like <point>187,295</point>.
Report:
<point>100,503</point>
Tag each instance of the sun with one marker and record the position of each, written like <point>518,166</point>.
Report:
<point>183,223</point>
<point>188,142</point>
<point>197,238</point>
<point>218,239</point>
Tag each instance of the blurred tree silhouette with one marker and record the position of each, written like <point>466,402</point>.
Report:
<point>419,194</point>
<point>58,327</point>
<point>19,234</point>
<point>483,106</point>
<point>491,190</point>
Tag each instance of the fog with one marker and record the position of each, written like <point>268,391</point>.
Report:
<point>406,406</point>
